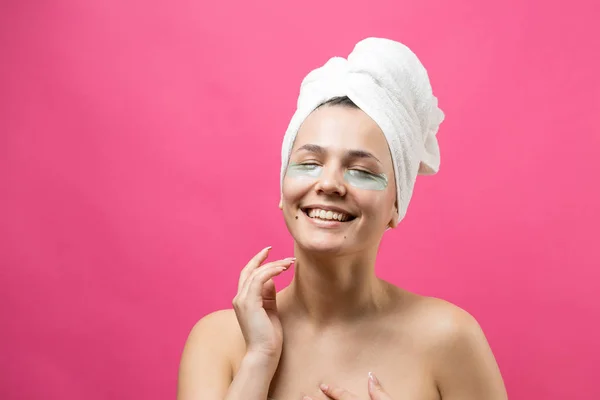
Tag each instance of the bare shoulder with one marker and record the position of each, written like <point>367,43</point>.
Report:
<point>217,332</point>
<point>206,365</point>
<point>444,321</point>
<point>218,328</point>
<point>440,323</point>
<point>462,362</point>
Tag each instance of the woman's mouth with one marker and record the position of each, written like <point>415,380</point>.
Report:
<point>327,215</point>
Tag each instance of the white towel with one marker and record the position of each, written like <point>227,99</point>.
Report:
<point>388,82</point>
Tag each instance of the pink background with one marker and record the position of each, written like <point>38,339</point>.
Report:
<point>139,161</point>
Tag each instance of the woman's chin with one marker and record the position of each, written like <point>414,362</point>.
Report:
<point>330,245</point>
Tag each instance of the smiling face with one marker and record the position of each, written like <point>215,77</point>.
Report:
<point>339,190</point>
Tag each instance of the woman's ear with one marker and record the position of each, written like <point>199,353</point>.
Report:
<point>394,221</point>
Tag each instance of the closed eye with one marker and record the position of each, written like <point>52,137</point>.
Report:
<point>308,165</point>
<point>362,171</point>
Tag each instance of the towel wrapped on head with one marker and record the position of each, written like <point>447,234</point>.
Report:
<point>386,80</point>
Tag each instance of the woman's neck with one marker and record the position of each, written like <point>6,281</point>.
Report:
<point>328,290</point>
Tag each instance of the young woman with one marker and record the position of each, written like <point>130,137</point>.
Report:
<point>364,128</point>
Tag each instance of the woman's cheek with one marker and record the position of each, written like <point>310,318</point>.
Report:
<point>293,188</point>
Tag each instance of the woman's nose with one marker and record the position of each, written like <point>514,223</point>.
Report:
<point>331,181</point>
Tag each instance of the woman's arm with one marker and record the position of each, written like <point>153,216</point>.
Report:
<point>253,378</point>
<point>252,328</point>
<point>205,372</point>
<point>466,367</point>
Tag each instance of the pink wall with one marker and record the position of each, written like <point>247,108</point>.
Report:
<point>139,156</point>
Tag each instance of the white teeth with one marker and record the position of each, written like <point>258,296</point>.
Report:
<point>327,215</point>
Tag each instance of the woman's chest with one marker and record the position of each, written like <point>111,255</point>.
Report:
<point>402,369</point>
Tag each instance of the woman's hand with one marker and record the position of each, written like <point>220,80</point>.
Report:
<point>376,392</point>
<point>255,306</point>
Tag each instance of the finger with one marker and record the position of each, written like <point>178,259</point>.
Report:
<point>252,265</point>
<point>376,391</point>
<point>269,292</point>
<point>269,296</point>
<point>255,282</point>
<point>337,393</point>
<point>271,269</point>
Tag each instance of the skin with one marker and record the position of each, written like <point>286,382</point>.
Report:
<point>337,331</point>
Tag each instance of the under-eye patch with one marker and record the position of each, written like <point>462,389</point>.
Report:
<point>304,170</point>
<point>357,178</point>
<point>366,180</point>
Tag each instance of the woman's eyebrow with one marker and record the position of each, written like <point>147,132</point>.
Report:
<point>362,154</point>
<point>314,148</point>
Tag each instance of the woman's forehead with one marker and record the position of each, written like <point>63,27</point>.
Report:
<point>342,128</point>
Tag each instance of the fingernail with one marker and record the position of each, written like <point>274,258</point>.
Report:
<point>268,248</point>
<point>324,387</point>
<point>373,379</point>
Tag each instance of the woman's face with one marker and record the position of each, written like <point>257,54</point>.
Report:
<point>339,190</point>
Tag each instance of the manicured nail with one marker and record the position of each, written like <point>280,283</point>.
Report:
<point>373,378</point>
<point>373,381</point>
<point>324,387</point>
